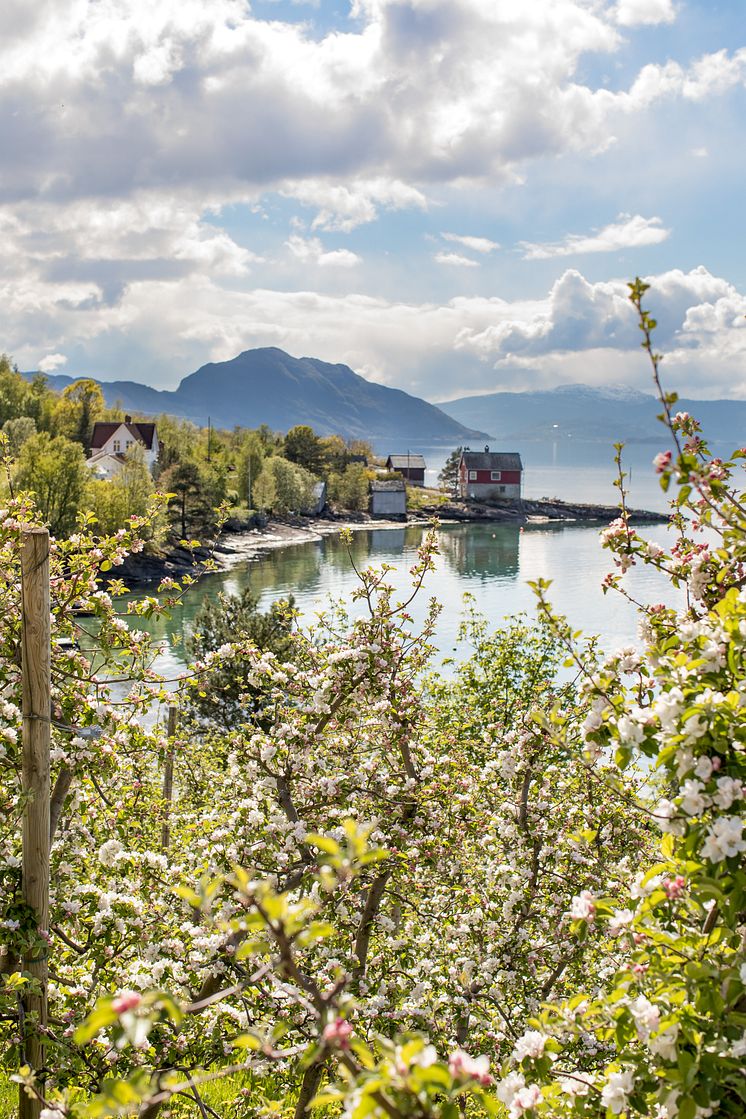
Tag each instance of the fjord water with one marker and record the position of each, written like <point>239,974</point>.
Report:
<point>491,563</point>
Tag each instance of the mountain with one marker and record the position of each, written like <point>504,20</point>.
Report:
<point>591,416</point>
<point>271,387</point>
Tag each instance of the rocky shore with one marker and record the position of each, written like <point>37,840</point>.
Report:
<point>541,511</point>
<point>240,543</point>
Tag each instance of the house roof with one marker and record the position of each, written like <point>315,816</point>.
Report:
<point>394,486</point>
<point>101,456</point>
<point>491,460</point>
<point>102,432</point>
<point>406,462</point>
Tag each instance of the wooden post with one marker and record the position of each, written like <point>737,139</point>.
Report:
<point>36,703</point>
<point>168,779</point>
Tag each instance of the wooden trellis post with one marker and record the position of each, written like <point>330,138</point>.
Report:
<point>168,779</point>
<point>37,693</point>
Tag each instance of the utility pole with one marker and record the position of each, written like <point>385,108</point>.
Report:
<point>36,705</point>
<point>248,497</point>
<point>209,437</point>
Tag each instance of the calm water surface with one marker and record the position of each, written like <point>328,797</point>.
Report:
<point>492,563</point>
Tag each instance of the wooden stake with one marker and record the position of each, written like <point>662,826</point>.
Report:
<point>37,700</point>
<point>168,779</point>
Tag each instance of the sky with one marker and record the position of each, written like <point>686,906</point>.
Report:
<point>447,195</point>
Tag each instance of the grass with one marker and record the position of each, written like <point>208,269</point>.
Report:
<point>230,1098</point>
<point>418,497</point>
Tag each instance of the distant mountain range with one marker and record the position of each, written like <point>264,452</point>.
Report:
<point>268,386</point>
<point>587,415</point>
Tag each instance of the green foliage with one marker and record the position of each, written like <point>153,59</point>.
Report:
<point>198,489</point>
<point>350,488</point>
<point>284,487</point>
<point>127,494</point>
<point>250,465</point>
<point>448,477</point>
<point>17,431</point>
<point>54,470</point>
<point>303,447</point>
<point>78,408</point>
<point>225,690</point>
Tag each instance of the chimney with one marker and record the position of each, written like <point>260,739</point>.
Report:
<point>128,419</point>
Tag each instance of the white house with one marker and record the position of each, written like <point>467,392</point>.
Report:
<point>110,442</point>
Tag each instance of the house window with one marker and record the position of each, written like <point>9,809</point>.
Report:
<point>117,446</point>
<point>501,489</point>
<point>472,475</point>
<point>129,444</point>
<point>495,475</point>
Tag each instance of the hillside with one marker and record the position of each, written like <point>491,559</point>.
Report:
<point>590,415</point>
<point>268,386</point>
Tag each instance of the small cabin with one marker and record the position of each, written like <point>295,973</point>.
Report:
<point>489,475</point>
<point>110,442</point>
<point>388,499</point>
<point>411,467</point>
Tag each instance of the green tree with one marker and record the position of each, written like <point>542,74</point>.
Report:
<point>178,441</point>
<point>304,448</point>
<point>198,491</point>
<point>15,392</point>
<point>227,691</point>
<point>350,488</point>
<point>250,465</point>
<point>80,405</point>
<point>448,476</point>
<point>17,432</point>
<point>335,453</point>
<point>53,469</point>
<point>284,487</point>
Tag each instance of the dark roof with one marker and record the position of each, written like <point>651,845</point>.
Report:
<point>492,460</point>
<point>406,462</point>
<point>394,486</point>
<point>102,432</point>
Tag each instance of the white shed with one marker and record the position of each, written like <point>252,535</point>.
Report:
<point>388,499</point>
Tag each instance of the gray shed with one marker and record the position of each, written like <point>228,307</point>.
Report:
<point>388,499</point>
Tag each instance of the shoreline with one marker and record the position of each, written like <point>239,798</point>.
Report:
<point>238,546</point>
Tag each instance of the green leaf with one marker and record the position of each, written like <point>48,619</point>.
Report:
<point>102,1016</point>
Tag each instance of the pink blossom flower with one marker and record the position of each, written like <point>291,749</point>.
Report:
<point>338,1033</point>
<point>126,1000</point>
<point>583,907</point>
<point>662,461</point>
<point>674,887</point>
<point>470,1068</point>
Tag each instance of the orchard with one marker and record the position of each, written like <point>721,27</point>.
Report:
<point>515,890</point>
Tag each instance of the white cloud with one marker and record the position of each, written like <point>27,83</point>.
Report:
<point>627,232</point>
<point>51,362</point>
<point>475,244</point>
<point>634,13</point>
<point>160,330</point>
<point>310,250</point>
<point>456,260</point>
<point>111,98</point>
<point>339,258</point>
<point>343,207</point>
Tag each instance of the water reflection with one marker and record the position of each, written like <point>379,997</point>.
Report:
<point>484,552</point>
<point>493,563</point>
